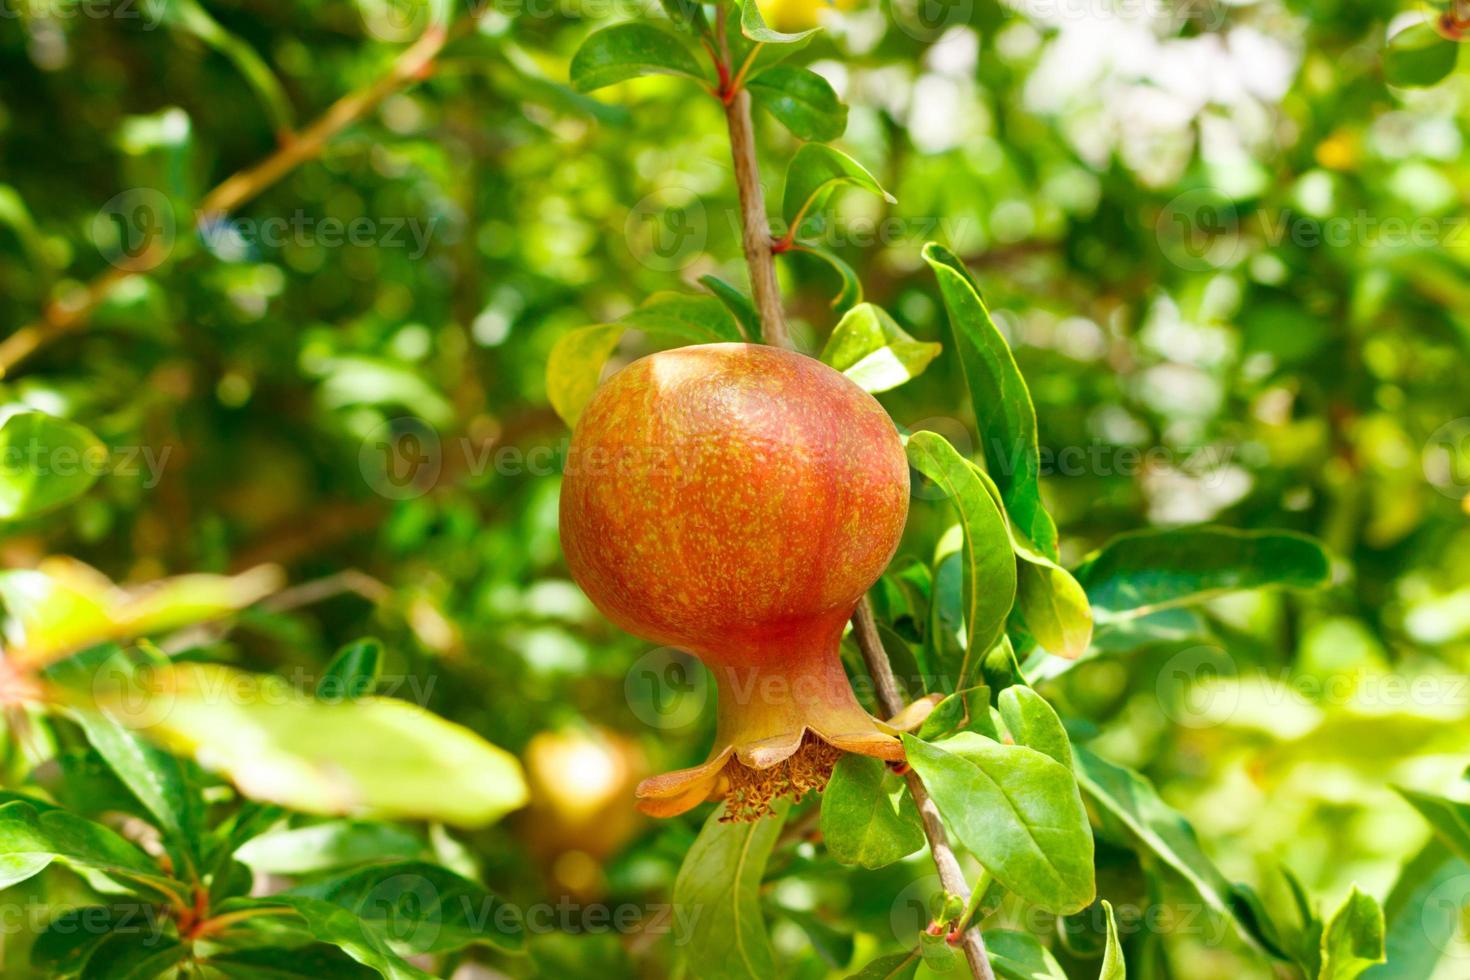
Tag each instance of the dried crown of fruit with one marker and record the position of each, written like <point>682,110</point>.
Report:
<point>737,500</point>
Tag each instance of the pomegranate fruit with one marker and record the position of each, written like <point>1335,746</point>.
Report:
<point>736,501</point>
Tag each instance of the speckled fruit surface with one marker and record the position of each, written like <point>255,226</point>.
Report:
<point>737,500</point>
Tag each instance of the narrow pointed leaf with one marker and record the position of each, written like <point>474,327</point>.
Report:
<point>851,292</point>
<point>814,172</point>
<point>989,568</point>
<point>1113,967</point>
<point>353,672</point>
<point>738,303</point>
<point>1449,818</point>
<point>1130,801</point>
<point>1002,402</point>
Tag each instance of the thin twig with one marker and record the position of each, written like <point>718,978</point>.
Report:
<point>72,312</point>
<point>755,228</point>
<point>951,875</point>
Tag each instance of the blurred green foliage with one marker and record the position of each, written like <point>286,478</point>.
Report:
<point>1232,260</point>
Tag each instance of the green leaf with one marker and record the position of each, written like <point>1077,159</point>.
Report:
<point>871,348</point>
<point>720,879</point>
<point>759,56</point>
<point>63,606</point>
<point>1423,914</point>
<point>1049,601</point>
<point>630,50</point>
<point>353,672</point>
<point>939,956</point>
<point>802,100</point>
<point>868,818</point>
<point>329,923</point>
<point>1449,818</point>
<point>1142,572</point>
<point>1418,57</point>
<point>1131,800</point>
<point>73,935</point>
<point>45,462</point>
<point>1353,940</point>
<point>813,174</point>
<point>1113,967</point>
<point>134,956</point>
<point>895,966</point>
<point>1033,723</point>
<point>852,287</point>
<point>327,846</point>
<point>1018,811</point>
<point>156,778</point>
<point>687,15</point>
<point>576,360</point>
<point>1002,402</point>
<point>317,961</point>
<point>753,26</point>
<point>575,365</point>
<point>1053,605</point>
<point>968,709</point>
<point>421,908</point>
<point>696,317</point>
<point>31,838</point>
<point>377,756</point>
<point>1020,956</point>
<point>739,304</point>
<point>989,568</point>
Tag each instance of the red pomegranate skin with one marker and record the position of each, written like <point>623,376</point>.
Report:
<point>737,500</point>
